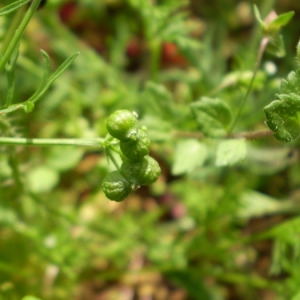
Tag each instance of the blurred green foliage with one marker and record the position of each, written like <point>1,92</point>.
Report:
<point>206,229</point>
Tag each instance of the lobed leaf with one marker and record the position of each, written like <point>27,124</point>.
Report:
<point>282,117</point>
<point>291,84</point>
<point>212,115</point>
<point>189,154</point>
<point>230,152</point>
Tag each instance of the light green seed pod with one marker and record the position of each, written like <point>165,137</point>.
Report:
<point>122,124</point>
<point>136,150</point>
<point>115,186</point>
<point>142,172</point>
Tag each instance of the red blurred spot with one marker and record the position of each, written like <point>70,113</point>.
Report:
<point>134,48</point>
<point>67,12</point>
<point>171,56</point>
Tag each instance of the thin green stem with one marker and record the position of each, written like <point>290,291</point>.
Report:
<point>248,135</point>
<point>112,158</point>
<point>95,142</point>
<point>252,280</point>
<point>14,35</point>
<point>155,48</point>
<point>12,28</point>
<point>261,51</point>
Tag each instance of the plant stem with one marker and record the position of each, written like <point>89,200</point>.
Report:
<point>253,135</point>
<point>15,32</point>
<point>155,48</point>
<point>112,158</point>
<point>93,142</point>
<point>261,50</point>
<point>248,135</point>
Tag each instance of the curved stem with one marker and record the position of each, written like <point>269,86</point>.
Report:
<point>248,135</point>
<point>112,158</point>
<point>253,135</point>
<point>95,142</point>
<point>155,48</point>
<point>262,48</point>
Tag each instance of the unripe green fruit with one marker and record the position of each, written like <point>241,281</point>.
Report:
<point>142,172</point>
<point>115,186</point>
<point>136,150</point>
<point>122,124</point>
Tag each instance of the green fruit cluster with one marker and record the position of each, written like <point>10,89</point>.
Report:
<point>137,168</point>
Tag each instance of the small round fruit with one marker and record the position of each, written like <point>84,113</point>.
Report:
<point>142,172</point>
<point>115,186</point>
<point>122,124</point>
<point>136,150</point>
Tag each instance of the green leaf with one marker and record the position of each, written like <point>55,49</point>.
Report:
<point>282,117</point>
<point>64,158</point>
<point>46,66</point>
<point>48,80</point>
<point>28,106</point>
<point>230,152</point>
<point>12,7</point>
<point>212,115</point>
<point>189,154</point>
<point>269,160</point>
<point>282,20</point>
<point>272,28</point>
<point>258,17</point>
<point>254,204</point>
<point>44,86</point>
<point>42,179</point>
<point>276,46</point>
<point>297,296</point>
<point>190,281</point>
<point>30,298</point>
<point>291,84</point>
<point>159,99</point>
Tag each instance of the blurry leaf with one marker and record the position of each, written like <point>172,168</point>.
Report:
<point>46,66</point>
<point>230,152</point>
<point>281,20</point>
<point>159,99</point>
<point>273,27</point>
<point>158,129</point>
<point>242,77</point>
<point>159,91</point>
<point>297,296</point>
<point>49,79</point>
<point>7,216</point>
<point>276,46</point>
<point>42,179</point>
<point>30,298</point>
<point>44,86</point>
<point>212,116</point>
<point>64,158</point>
<point>12,7</point>
<point>287,244</point>
<point>255,204</point>
<point>189,154</point>
<point>267,161</point>
<point>258,17</point>
<point>191,282</point>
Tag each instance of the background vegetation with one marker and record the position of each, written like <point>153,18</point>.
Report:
<point>222,220</point>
